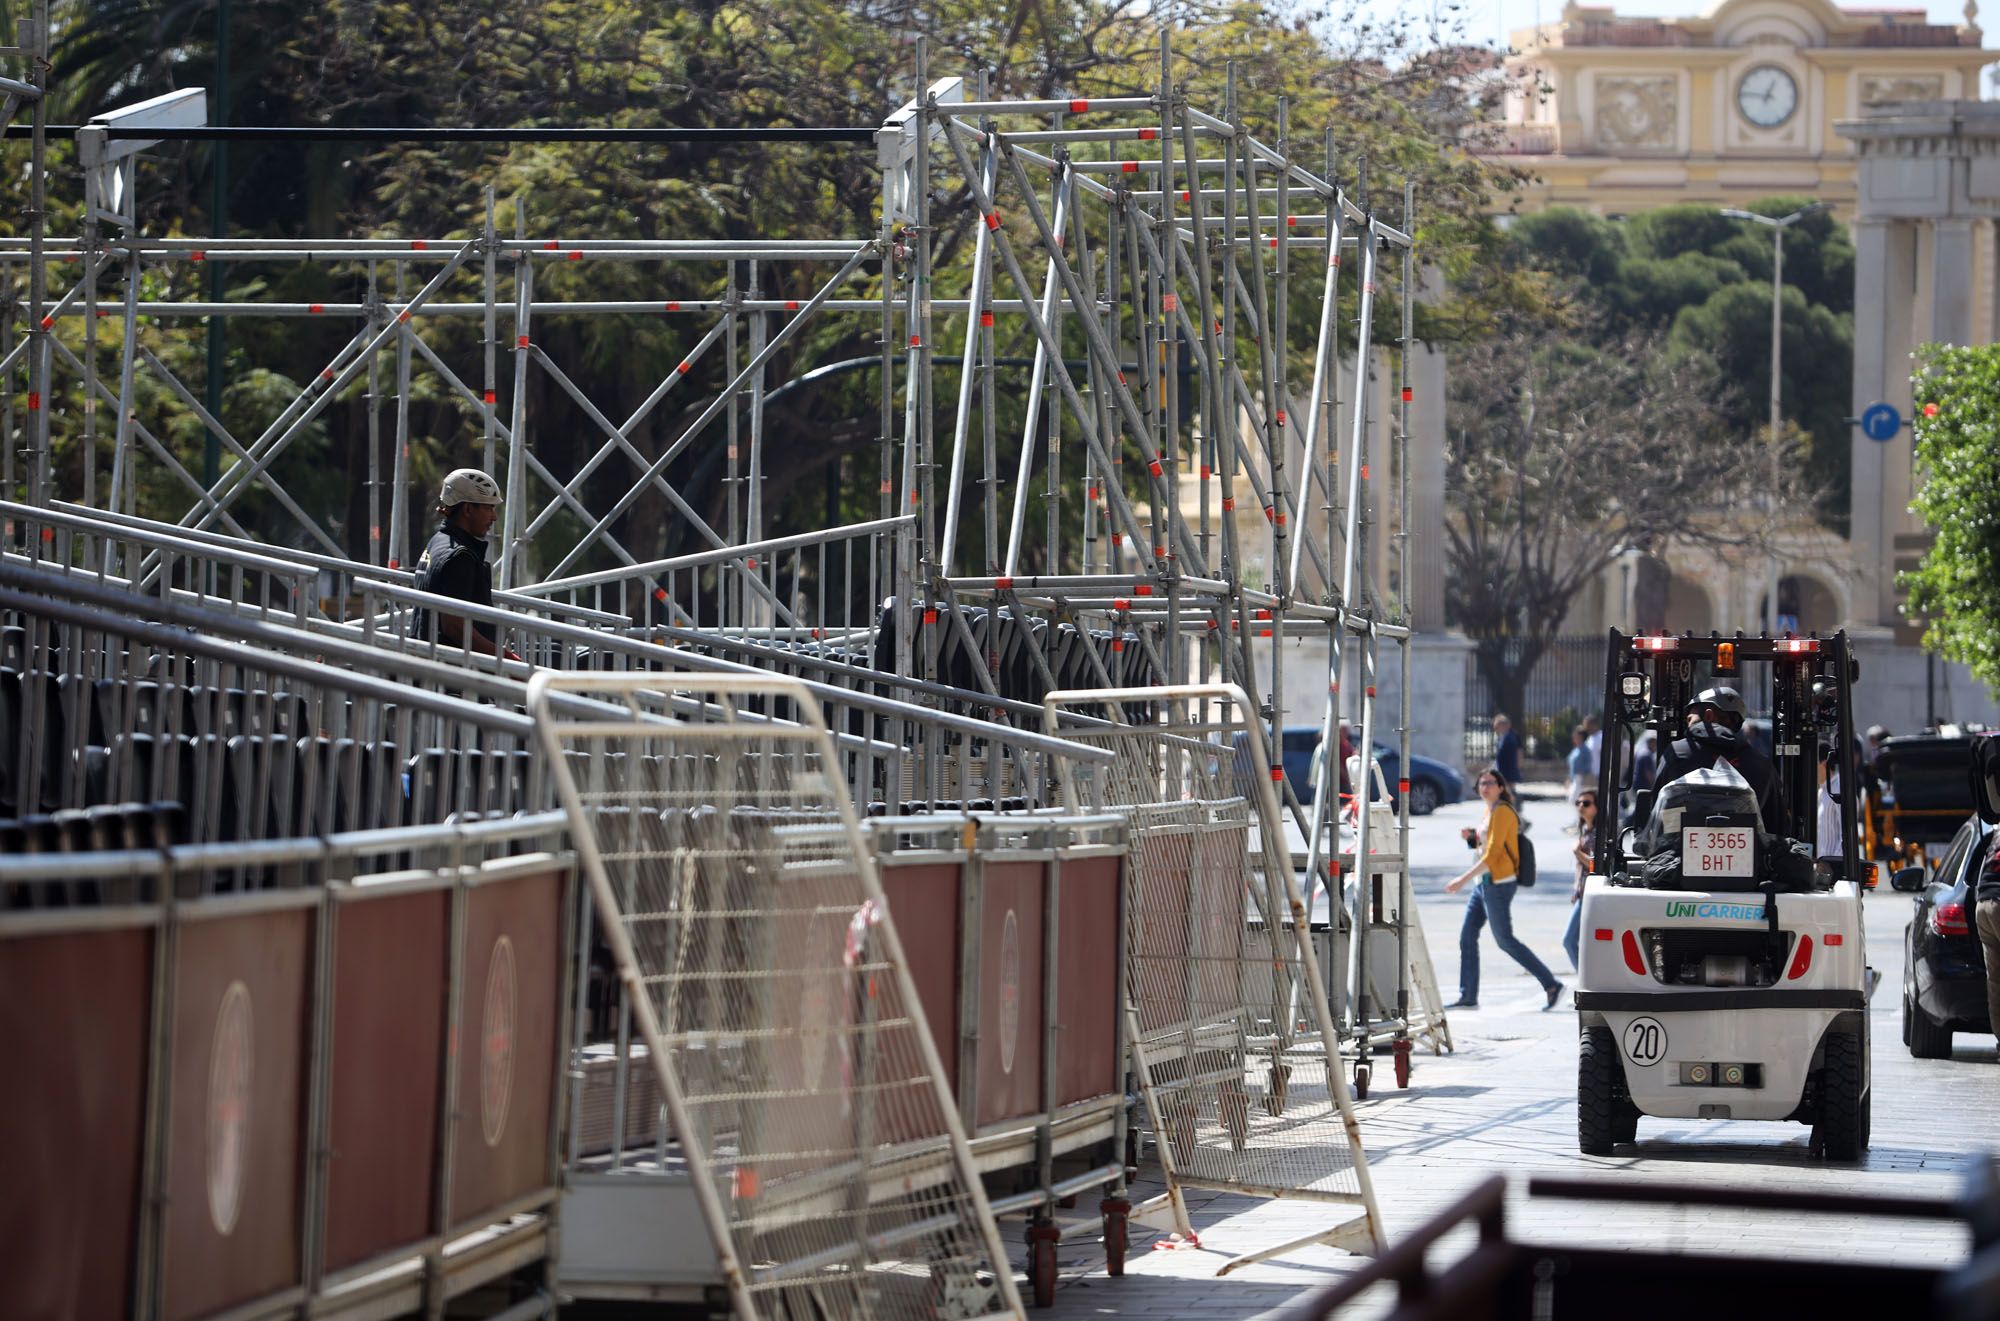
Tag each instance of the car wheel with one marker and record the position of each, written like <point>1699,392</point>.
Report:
<point>1928,1041</point>
<point>1424,797</point>
<point>1842,1131</point>
<point>1605,1115</point>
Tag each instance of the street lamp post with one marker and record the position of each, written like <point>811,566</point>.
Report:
<point>1777,225</point>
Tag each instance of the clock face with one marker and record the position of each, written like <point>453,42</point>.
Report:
<point>1767,96</point>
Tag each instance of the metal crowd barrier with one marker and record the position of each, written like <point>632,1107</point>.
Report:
<point>747,924</point>
<point>1015,931</point>
<point>906,741</point>
<point>802,588</point>
<point>258,1105</point>
<point>1234,1043</point>
<point>289,735</point>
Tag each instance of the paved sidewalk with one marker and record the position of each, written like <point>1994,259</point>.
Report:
<point>1505,1103</point>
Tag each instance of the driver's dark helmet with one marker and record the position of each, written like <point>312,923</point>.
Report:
<point>1726,701</point>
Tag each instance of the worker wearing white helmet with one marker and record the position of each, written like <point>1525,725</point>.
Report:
<point>454,564</point>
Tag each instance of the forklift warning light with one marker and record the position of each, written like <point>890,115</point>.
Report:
<point>1725,658</point>
<point>1654,644</point>
<point>1796,646</point>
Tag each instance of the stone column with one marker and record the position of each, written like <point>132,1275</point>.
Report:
<point>1951,277</point>
<point>1884,293</point>
<point>1427,493</point>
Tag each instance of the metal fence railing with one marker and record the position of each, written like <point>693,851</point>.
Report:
<point>812,587</point>
<point>1566,684</point>
<point>771,989</point>
<point>252,728</point>
<point>1234,1043</point>
<point>908,744</point>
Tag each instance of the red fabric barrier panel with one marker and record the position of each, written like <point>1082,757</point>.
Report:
<point>74,1010</point>
<point>1088,910</point>
<point>237,1109</point>
<point>923,901</point>
<point>1010,991</point>
<point>389,992</point>
<point>505,1040</point>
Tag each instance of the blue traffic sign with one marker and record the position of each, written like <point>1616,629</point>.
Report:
<point>1881,422</point>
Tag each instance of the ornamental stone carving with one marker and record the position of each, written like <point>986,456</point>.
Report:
<point>1886,89</point>
<point>1637,111</point>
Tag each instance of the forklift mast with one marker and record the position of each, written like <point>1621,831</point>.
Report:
<point>1650,678</point>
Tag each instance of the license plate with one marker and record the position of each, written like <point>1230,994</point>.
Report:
<point>1718,851</point>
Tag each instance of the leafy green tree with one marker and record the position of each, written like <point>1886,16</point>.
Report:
<point>1955,588</point>
<point>1702,282</point>
<point>1563,452</point>
<point>1817,347</point>
<point>1397,92</point>
<point>1574,244</point>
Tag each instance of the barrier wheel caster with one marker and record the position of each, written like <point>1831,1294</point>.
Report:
<point>1180,1118</point>
<point>1281,1081</point>
<point>1235,1104</point>
<point>1361,1073</point>
<point>1403,1063</point>
<point>1042,1240</point>
<point>1116,1233</point>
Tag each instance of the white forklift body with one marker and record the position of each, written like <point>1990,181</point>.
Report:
<point>1724,966</point>
<point>1706,1045</point>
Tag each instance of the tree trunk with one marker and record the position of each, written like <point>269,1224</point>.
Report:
<point>1507,677</point>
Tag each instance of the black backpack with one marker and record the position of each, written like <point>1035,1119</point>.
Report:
<point>1524,861</point>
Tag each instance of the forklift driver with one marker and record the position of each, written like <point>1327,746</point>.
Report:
<point>1715,733</point>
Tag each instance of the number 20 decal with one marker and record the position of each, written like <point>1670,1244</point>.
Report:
<point>1645,1041</point>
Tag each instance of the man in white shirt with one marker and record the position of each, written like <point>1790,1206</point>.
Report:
<point>1828,842</point>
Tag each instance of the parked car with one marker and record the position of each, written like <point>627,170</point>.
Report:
<point>1432,783</point>
<point>1944,972</point>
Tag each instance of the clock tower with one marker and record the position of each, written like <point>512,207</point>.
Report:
<point>1731,106</point>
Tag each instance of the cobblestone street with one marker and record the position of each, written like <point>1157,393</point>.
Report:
<point>1504,1102</point>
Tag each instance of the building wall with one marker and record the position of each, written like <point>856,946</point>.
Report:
<point>1644,112</point>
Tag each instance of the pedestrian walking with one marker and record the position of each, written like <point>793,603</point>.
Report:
<point>454,563</point>
<point>1498,842</point>
<point>1586,839</point>
<point>1581,773</point>
<point>1828,821</point>
<point>1506,749</point>
<point>1645,762</point>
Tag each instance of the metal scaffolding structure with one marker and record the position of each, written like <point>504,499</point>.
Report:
<point>1198,311</point>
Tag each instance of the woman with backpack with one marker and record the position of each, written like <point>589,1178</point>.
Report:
<point>1506,857</point>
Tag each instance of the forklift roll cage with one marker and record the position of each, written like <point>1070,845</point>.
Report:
<point>1811,687</point>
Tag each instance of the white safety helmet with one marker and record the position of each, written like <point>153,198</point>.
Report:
<point>468,486</point>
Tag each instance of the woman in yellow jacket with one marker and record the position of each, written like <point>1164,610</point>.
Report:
<point>1498,842</point>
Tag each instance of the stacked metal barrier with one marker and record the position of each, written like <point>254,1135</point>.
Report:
<point>1233,1040</point>
<point>242,1000</point>
<point>774,998</point>
<point>1014,928</point>
<point>1109,233</point>
<point>108,703</point>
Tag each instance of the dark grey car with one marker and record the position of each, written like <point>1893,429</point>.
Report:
<point>1944,972</point>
